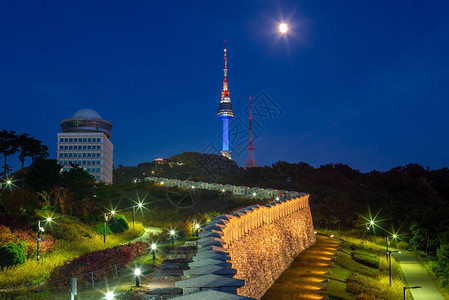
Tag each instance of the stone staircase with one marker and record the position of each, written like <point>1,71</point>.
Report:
<point>162,286</point>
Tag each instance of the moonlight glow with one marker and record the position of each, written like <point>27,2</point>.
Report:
<point>283,28</point>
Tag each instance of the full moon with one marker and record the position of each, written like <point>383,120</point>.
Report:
<point>283,28</point>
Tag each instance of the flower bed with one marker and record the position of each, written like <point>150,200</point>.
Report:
<point>99,262</point>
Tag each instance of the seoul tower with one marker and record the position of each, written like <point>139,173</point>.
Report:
<point>251,161</point>
<point>225,112</point>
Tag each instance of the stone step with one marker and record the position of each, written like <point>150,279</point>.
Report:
<point>177,261</point>
<point>174,266</point>
<point>166,291</point>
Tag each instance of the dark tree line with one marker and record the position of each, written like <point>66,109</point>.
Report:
<point>24,145</point>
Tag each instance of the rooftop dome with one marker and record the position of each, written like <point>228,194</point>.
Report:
<point>87,113</point>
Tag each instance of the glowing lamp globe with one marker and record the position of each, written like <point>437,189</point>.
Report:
<point>197,226</point>
<point>137,272</point>
<point>48,219</point>
<point>153,246</point>
<point>283,28</point>
<point>109,295</point>
<point>140,205</point>
<point>172,232</point>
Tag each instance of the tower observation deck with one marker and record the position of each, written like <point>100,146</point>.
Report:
<point>225,111</point>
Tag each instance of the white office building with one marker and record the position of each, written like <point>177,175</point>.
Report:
<point>84,141</point>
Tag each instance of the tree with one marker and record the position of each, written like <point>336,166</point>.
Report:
<point>8,146</point>
<point>31,147</point>
<point>78,181</point>
<point>43,175</point>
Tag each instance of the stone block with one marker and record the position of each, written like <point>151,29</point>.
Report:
<point>211,252</point>
<point>209,261</point>
<point>218,227</point>
<point>212,295</point>
<point>210,241</point>
<point>210,281</point>
<point>210,269</point>
<point>209,233</point>
<point>217,256</point>
<point>211,247</point>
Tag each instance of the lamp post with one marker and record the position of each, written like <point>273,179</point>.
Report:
<point>140,205</point>
<point>109,295</point>
<point>39,230</point>
<point>389,256</point>
<point>137,273</point>
<point>153,248</point>
<point>172,234</point>
<point>197,227</point>
<point>387,243</point>
<point>104,228</point>
<point>412,287</point>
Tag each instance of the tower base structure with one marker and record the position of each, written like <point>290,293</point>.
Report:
<point>226,153</point>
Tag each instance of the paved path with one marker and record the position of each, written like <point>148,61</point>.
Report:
<point>417,275</point>
<point>148,230</point>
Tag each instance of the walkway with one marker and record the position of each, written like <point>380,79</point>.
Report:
<point>148,230</point>
<point>417,275</point>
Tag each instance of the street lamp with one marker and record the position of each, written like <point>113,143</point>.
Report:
<point>389,256</point>
<point>39,230</point>
<point>140,205</point>
<point>412,287</point>
<point>172,234</point>
<point>109,295</point>
<point>137,273</point>
<point>153,248</point>
<point>197,227</point>
<point>394,236</point>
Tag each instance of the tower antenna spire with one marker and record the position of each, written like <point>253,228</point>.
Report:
<point>251,161</point>
<point>225,111</point>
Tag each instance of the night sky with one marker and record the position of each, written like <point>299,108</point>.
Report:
<point>364,83</point>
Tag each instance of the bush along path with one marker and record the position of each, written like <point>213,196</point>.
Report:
<point>416,275</point>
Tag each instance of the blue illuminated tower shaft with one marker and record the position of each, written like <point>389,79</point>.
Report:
<point>226,135</point>
<point>225,111</point>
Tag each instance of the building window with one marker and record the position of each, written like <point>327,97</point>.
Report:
<point>84,154</point>
<point>88,162</point>
<point>88,169</point>
<point>79,162</point>
<point>65,162</point>
<point>66,147</point>
<point>79,154</point>
<point>61,147</point>
<point>88,147</point>
<point>70,147</point>
<point>70,154</point>
<point>84,162</point>
<point>70,140</point>
<point>75,147</point>
<point>66,140</point>
<point>84,147</point>
<point>84,140</point>
<point>98,170</point>
<point>89,140</point>
<point>98,162</point>
<point>61,155</point>
<point>98,147</point>
<point>61,140</point>
<point>88,154</point>
<point>65,154</point>
<point>75,140</point>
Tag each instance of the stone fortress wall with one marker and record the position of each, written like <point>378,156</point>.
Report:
<point>243,253</point>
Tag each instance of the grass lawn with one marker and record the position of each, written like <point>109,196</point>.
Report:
<point>311,277</point>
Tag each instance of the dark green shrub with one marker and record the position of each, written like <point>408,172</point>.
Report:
<point>366,259</point>
<point>99,228</point>
<point>118,224</point>
<point>48,208</point>
<point>10,255</point>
